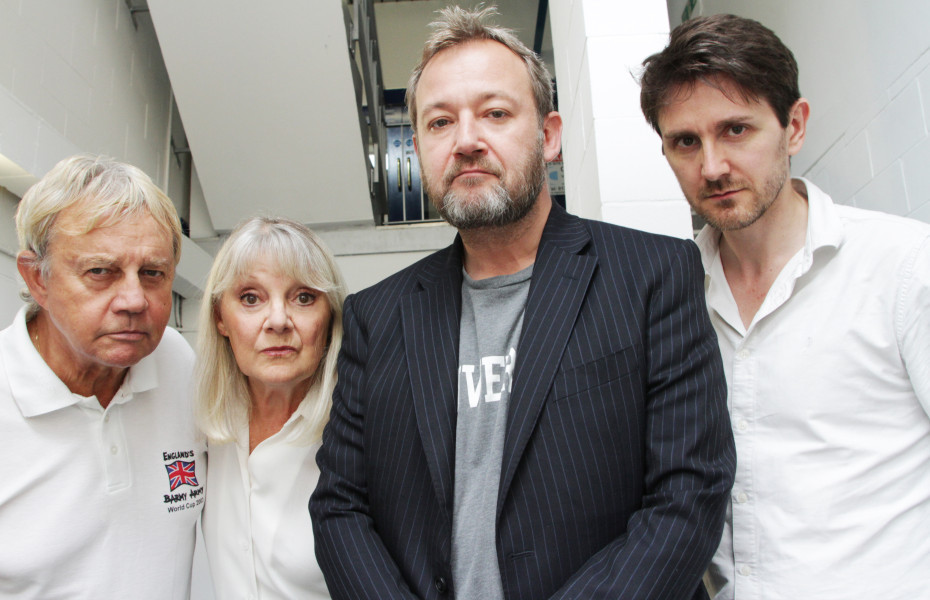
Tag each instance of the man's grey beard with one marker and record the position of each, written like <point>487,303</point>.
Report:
<point>495,207</point>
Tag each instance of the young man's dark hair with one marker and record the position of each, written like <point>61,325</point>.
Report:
<point>722,47</point>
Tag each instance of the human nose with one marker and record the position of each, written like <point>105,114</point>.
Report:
<point>131,296</point>
<point>277,319</point>
<point>468,138</point>
<point>714,163</point>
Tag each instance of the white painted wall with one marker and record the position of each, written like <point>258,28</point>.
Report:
<point>614,170</point>
<point>865,67</point>
<point>77,77</point>
<point>10,281</point>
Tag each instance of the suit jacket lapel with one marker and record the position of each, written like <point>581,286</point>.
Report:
<point>431,340</point>
<point>557,291</point>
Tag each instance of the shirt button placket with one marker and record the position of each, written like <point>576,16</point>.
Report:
<point>743,408</point>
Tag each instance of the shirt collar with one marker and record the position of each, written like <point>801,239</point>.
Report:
<point>37,390</point>
<point>289,433</point>
<point>302,413</point>
<point>824,227</point>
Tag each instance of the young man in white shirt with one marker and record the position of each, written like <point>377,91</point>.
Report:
<point>822,316</point>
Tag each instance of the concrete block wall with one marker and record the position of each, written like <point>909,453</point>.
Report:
<point>10,281</point>
<point>882,161</point>
<point>78,77</point>
<point>614,168</point>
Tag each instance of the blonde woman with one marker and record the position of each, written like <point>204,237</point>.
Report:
<point>270,330</point>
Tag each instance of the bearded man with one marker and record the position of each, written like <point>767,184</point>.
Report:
<point>538,410</point>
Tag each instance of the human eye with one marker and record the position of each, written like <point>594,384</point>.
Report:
<point>684,143</point>
<point>305,298</point>
<point>439,123</point>
<point>99,272</point>
<point>153,273</point>
<point>248,298</point>
<point>497,113</point>
<point>737,130</point>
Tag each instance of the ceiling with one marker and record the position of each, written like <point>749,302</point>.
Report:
<point>266,95</point>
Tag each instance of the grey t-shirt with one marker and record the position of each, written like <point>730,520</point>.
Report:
<point>492,317</point>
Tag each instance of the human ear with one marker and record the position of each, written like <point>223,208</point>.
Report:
<point>552,135</point>
<point>27,263</point>
<point>220,325</point>
<point>797,125</point>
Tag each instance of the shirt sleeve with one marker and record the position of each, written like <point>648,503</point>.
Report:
<point>912,320</point>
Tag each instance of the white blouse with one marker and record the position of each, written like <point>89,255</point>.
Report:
<point>256,523</point>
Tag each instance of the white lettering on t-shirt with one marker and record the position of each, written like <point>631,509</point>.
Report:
<point>495,373</point>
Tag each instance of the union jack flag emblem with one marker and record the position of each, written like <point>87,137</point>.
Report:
<point>181,473</point>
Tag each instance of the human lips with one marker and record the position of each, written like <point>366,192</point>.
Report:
<point>128,335</point>
<point>719,194</point>
<point>466,173</point>
<point>473,168</point>
<point>277,351</point>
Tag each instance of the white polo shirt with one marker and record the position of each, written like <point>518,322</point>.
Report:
<point>256,526</point>
<point>97,503</point>
<point>829,399</point>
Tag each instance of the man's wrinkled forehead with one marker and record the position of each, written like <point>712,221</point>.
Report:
<point>511,77</point>
<point>82,219</point>
<point>84,216</point>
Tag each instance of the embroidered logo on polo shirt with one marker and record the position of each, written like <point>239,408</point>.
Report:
<point>182,472</point>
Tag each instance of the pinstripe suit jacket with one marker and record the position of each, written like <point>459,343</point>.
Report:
<point>618,455</point>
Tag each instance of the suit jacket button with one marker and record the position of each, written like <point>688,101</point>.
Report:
<point>440,583</point>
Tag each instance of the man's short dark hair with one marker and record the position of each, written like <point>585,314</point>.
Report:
<point>717,50</point>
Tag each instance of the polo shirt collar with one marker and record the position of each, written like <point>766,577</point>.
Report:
<point>37,390</point>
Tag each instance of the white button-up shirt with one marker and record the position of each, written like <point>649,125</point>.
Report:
<point>829,395</point>
<point>256,523</point>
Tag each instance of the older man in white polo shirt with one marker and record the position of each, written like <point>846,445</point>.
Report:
<point>103,475</point>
